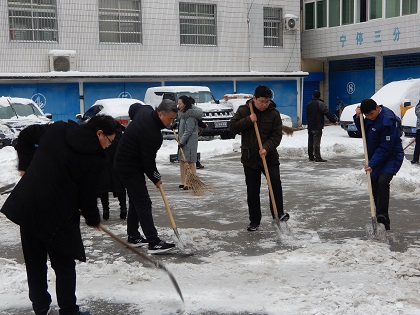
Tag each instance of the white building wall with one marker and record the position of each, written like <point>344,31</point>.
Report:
<point>379,37</point>
<point>239,46</point>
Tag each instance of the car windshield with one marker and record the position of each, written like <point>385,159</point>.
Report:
<point>21,110</point>
<point>199,97</point>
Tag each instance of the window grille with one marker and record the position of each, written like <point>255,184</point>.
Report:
<point>197,24</point>
<point>273,27</point>
<point>120,21</point>
<point>33,20</point>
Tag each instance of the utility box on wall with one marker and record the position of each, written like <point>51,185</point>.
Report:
<point>62,60</point>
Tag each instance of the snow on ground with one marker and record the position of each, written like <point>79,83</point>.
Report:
<point>354,276</point>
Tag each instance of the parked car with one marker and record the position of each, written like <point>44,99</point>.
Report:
<point>17,113</point>
<point>216,115</point>
<point>398,96</point>
<point>409,122</point>
<point>114,107</point>
<point>238,99</point>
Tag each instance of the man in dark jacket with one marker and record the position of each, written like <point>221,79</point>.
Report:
<point>60,166</point>
<point>385,152</point>
<point>135,157</point>
<point>315,112</point>
<point>270,127</point>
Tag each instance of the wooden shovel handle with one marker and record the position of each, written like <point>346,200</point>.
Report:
<point>372,204</point>
<point>267,175</point>
<point>168,210</point>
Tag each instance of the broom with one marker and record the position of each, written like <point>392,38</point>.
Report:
<point>194,184</point>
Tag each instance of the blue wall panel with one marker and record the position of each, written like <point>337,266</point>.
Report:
<point>350,87</point>
<point>59,99</point>
<point>284,94</point>
<point>397,74</point>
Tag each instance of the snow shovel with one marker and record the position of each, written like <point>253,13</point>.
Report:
<point>276,221</point>
<point>194,184</point>
<point>154,262</point>
<point>376,230</point>
<point>181,243</point>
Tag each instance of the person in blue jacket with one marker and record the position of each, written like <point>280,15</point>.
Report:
<point>385,152</point>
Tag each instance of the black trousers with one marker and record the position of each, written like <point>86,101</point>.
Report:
<point>140,208</point>
<point>314,144</point>
<point>104,196</point>
<point>35,253</point>
<point>381,193</point>
<point>253,187</point>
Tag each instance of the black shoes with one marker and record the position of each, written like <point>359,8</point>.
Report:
<point>199,165</point>
<point>311,159</point>
<point>181,186</point>
<point>384,219</point>
<point>253,226</point>
<point>285,217</point>
<point>414,162</point>
<point>320,160</point>
<point>160,247</point>
<point>137,241</point>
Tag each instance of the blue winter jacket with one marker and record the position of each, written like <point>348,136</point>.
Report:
<point>383,140</point>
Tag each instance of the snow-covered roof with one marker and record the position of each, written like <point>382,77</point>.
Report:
<point>153,75</point>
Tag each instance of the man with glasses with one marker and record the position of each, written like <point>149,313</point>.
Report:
<point>385,152</point>
<point>60,164</point>
<point>270,128</point>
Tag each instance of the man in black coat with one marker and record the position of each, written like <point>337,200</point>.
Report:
<point>269,124</point>
<point>60,166</point>
<point>315,112</point>
<point>135,157</point>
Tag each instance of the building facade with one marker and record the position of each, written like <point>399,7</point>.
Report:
<point>360,45</point>
<point>65,54</point>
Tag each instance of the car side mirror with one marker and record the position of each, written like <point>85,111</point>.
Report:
<point>406,104</point>
<point>48,115</point>
<point>217,101</point>
<point>79,116</point>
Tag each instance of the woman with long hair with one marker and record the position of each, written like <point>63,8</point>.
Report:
<point>188,116</point>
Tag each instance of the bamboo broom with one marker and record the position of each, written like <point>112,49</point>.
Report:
<point>194,184</point>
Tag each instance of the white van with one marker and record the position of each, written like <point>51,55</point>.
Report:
<point>217,116</point>
<point>409,122</point>
<point>398,96</point>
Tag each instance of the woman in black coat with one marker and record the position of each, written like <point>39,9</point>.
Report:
<point>60,164</point>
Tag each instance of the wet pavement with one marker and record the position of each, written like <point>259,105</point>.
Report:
<point>327,202</point>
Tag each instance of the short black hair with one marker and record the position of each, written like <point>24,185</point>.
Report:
<point>105,123</point>
<point>316,94</point>
<point>263,91</point>
<point>367,105</point>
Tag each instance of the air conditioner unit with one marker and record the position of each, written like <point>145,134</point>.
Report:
<point>291,22</point>
<point>62,60</point>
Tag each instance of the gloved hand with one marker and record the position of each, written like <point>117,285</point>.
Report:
<point>174,125</point>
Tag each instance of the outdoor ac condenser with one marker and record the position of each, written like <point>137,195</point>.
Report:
<point>291,22</point>
<point>62,60</point>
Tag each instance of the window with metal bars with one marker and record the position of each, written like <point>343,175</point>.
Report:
<point>120,21</point>
<point>273,27</point>
<point>197,24</point>
<point>33,20</point>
